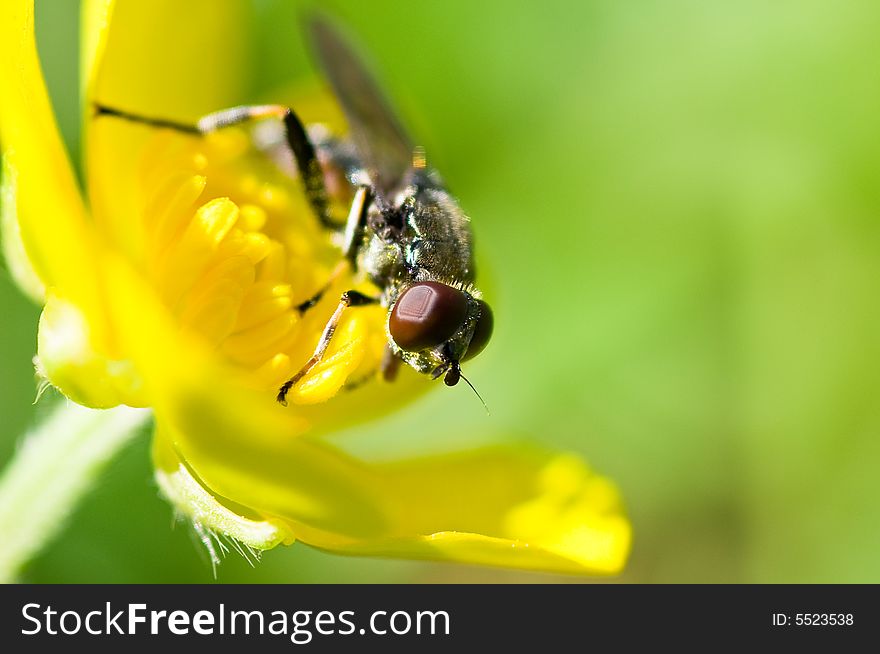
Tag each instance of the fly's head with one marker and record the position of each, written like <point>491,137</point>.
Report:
<point>435,326</point>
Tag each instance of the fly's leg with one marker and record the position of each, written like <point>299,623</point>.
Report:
<point>357,218</point>
<point>101,110</point>
<point>354,225</point>
<point>390,365</point>
<point>349,299</point>
<point>295,136</point>
<point>298,141</point>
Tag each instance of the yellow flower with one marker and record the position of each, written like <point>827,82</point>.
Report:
<point>172,283</point>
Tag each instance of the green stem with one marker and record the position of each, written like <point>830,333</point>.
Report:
<point>53,468</point>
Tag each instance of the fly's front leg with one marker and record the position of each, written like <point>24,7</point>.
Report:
<point>295,136</point>
<point>298,142</point>
<point>349,299</point>
<point>238,115</point>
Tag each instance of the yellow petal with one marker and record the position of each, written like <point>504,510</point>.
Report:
<point>165,57</point>
<point>17,261</point>
<point>506,505</point>
<point>51,217</point>
<point>94,23</point>
<point>208,511</point>
<point>71,357</point>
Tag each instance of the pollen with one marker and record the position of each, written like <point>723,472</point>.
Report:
<point>235,253</point>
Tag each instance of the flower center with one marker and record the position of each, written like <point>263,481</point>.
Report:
<point>236,254</point>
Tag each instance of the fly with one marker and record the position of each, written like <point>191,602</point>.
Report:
<point>404,232</point>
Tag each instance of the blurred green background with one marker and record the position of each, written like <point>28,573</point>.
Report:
<point>677,203</point>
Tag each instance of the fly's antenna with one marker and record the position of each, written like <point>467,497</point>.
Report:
<point>467,381</point>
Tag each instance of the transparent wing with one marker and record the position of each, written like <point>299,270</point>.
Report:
<point>381,141</point>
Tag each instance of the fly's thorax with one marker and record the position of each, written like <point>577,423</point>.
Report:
<point>437,239</point>
<point>424,235</point>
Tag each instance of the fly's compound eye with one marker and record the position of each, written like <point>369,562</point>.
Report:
<point>426,315</point>
<point>482,332</point>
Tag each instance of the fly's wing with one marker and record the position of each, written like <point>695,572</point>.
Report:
<point>381,141</point>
